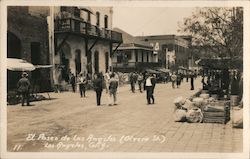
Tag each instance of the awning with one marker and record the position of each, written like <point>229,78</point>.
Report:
<point>15,64</point>
<point>43,66</point>
<point>164,70</point>
<point>221,63</point>
<point>152,71</point>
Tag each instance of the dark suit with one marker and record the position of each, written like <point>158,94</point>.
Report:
<point>98,86</point>
<point>23,87</point>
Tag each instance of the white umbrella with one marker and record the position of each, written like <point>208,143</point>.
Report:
<point>15,64</point>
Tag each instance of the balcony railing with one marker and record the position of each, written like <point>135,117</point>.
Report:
<point>77,25</point>
<point>136,65</point>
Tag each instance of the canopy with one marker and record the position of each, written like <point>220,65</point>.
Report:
<point>164,70</point>
<point>15,64</point>
<point>43,66</point>
<point>221,63</point>
<point>152,71</point>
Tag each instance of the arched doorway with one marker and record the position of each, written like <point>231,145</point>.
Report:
<point>14,46</point>
<point>13,51</point>
<point>106,61</point>
<point>96,59</point>
<point>65,56</point>
<point>78,63</point>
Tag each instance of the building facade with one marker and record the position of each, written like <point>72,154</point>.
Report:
<point>83,40</point>
<point>172,50</point>
<point>133,55</point>
<point>27,38</point>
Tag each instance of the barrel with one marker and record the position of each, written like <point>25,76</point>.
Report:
<point>234,100</point>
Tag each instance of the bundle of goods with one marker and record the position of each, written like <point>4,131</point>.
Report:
<point>187,110</point>
<point>216,112</point>
<point>202,108</point>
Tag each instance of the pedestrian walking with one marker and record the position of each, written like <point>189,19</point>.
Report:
<point>106,80</point>
<point>113,85</point>
<point>148,86</point>
<point>140,81</point>
<point>82,81</point>
<point>192,81</point>
<point>23,87</point>
<point>133,78</point>
<point>73,82</point>
<point>98,87</point>
<point>178,80</point>
<point>173,79</point>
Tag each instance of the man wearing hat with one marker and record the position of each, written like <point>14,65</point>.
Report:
<point>23,87</point>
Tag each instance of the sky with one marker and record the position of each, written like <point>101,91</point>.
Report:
<point>149,21</point>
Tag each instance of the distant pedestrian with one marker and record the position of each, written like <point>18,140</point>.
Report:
<point>106,80</point>
<point>23,86</point>
<point>173,79</point>
<point>82,81</point>
<point>98,87</point>
<point>178,80</point>
<point>113,85</point>
<point>73,82</point>
<point>140,82</point>
<point>148,86</point>
<point>192,81</point>
<point>153,81</point>
<point>133,79</point>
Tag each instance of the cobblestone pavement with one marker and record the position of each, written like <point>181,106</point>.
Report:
<point>77,124</point>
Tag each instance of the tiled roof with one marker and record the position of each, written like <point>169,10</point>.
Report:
<point>129,39</point>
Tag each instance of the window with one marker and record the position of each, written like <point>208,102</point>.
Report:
<point>106,21</point>
<point>89,17</point>
<point>119,59</point>
<point>63,9</point>
<point>128,55</point>
<point>97,18</point>
<point>136,55</point>
<point>77,12</point>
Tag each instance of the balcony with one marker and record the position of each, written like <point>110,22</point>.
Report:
<point>80,27</point>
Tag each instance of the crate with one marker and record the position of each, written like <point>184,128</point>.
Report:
<point>221,117</point>
<point>220,120</point>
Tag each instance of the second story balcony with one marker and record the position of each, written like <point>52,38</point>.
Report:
<point>81,27</point>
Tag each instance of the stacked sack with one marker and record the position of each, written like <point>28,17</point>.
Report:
<point>188,110</point>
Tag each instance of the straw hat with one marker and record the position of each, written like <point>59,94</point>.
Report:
<point>24,74</point>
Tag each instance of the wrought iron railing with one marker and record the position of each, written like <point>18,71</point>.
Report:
<point>77,25</point>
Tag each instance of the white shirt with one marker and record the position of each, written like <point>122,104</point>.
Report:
<point>148,82</point>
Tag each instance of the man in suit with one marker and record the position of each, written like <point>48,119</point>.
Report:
<point>23,87</point>
<point>98,87</point>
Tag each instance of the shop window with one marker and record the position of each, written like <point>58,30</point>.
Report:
<point>136,55</point>
<point>128,55</point>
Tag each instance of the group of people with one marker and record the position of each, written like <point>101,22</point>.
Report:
<point>178,78</point>
<point>109,81</point>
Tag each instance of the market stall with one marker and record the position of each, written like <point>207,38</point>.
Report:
<point>214,102</point>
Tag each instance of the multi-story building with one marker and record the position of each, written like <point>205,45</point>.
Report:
<point>83,40</point>
<point>172,50</point>
<point>27,38</point>
<point>133,55</point>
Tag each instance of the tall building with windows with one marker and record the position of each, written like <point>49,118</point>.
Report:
<point>83,40</point>
<point>172,50</point>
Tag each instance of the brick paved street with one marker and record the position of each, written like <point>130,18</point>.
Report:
<point>131,126</point>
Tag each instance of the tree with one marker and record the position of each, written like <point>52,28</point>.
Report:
<point>216,31</point>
